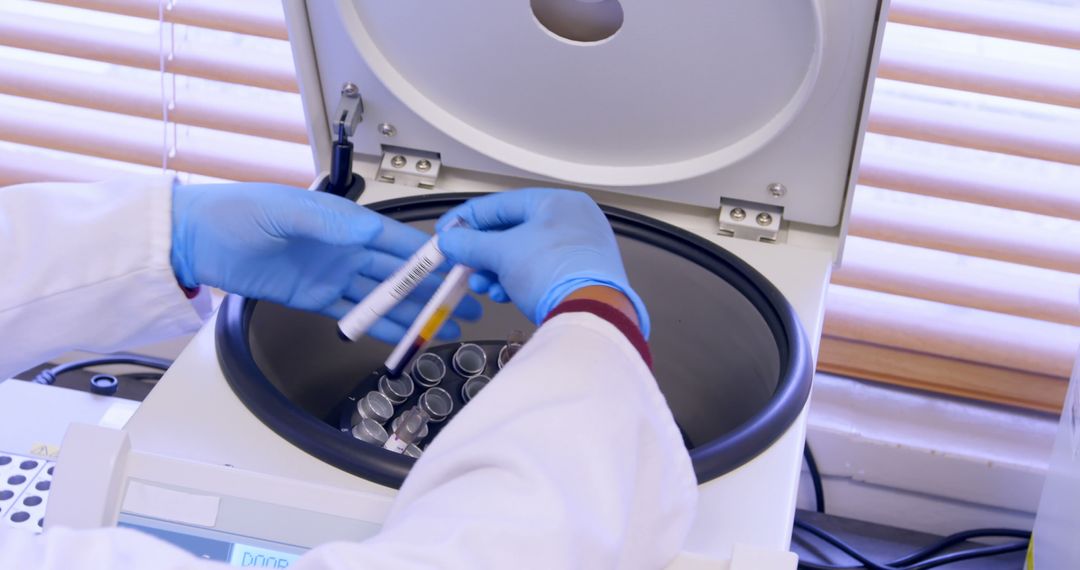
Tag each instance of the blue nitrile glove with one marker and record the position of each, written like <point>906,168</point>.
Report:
<point>308,250</point>
<point>536,246</point>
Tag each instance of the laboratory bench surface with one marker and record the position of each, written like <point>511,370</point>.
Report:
<point>880,543</point>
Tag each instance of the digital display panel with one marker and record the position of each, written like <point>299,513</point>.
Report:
<point>244,556</point>
<point>214,545</point>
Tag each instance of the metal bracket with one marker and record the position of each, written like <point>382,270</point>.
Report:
<point>350,109</point>
<point>750,220</point>
<point>409,167</point>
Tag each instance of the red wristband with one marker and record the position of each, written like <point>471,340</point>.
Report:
<point>611,315</point>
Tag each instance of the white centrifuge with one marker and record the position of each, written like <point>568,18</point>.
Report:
<point>721,138</point>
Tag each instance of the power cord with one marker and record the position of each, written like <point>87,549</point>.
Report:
<point>104,384</point>
<point>815,476</point>
<point>921,559</point>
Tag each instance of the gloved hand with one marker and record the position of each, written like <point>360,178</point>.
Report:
<point>536,246</point>
<point>308,250</point>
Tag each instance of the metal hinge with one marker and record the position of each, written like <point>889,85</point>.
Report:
<point>408,167</point>
<point>750,220</point>
<point>350,109</point>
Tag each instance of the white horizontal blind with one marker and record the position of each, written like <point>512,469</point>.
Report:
<point>962,271</point>
<point>93,88</point>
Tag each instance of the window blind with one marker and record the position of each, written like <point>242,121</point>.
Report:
<point>961,274</point>
<point>100,87</point>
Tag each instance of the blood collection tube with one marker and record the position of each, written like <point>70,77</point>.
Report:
<point>395,288</point>
<point>431,318</point>
<point>411,426</point>
<point>394,425</point>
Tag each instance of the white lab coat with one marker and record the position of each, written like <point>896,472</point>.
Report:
<point>569,459</point>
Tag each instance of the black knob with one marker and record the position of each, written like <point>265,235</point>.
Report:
<point>104,384</point>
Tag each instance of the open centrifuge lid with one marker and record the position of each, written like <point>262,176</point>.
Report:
<point>683,101</point>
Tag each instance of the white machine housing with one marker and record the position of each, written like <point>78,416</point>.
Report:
<point>686,112</point>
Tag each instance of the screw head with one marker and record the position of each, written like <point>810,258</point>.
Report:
<point>777,190</point>
<point>423,165</point>
<point>398,161</point>
<point>738,214</point>
<point>764,219</point>
<point>387,130</point>
<point>350,90</point>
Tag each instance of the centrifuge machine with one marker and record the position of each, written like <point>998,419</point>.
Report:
<point>721,138</point>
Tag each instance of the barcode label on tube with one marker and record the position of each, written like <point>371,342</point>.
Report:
<point>423,266</point>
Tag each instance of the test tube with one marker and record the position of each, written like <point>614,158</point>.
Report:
<point>429,369</point>
<point>373,406</point>
<point>413,450</point>
<point>397,390</point>
<point>421,434</point>
<point>469,360</point>
<point>370,431</point>
<point>412,423</point>
<point>395,288</point>
<point>431,318</point>
<point>436,403</point>
<point>514,341</point>
<point>472,387</point>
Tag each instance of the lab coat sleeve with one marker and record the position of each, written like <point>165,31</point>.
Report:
<point>570,458</point>
<point>88,268</point>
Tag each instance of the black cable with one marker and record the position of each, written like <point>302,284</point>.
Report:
<point>957,538</point>
<point>912,561</point>
<point>815,476</point>
<point>804,565</point>
<point>918,560</point>
<point>48,376</point>
<point>841,545</point>
<point>144,377</point>
<point>981,552</point>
